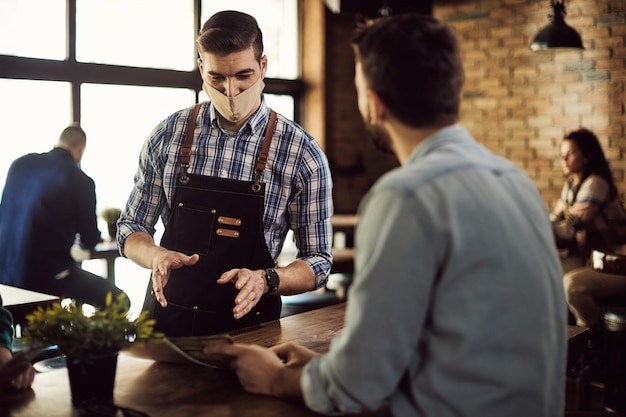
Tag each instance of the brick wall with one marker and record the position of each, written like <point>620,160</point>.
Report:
<point>355,163</point>
<point>516,102</point>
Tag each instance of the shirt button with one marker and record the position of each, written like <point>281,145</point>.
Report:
<point>223,174</point>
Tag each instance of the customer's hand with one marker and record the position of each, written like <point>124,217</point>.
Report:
<point>15,373</point>
<point>275,371</point>
<point>293,355</point>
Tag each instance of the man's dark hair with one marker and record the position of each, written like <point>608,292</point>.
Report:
<point>412,62</point>
<point>230,31</point>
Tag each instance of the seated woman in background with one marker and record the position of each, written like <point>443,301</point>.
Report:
<point>586,218</point>
<point>589,202</point>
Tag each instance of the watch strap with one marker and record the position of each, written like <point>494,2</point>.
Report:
<point>272,279</point>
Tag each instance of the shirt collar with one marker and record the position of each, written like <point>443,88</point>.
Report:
<point>454,133</point>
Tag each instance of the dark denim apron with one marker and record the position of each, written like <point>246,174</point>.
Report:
<point>222,221</point>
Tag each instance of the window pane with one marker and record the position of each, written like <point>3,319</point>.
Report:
<point>278,20</point>
<point>32,116</point>
<point>281,104</point>
<point>117,120</point>
<point>21,21</point>
<point>141,33</point>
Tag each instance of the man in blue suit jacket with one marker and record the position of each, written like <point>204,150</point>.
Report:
<point>47,201</point>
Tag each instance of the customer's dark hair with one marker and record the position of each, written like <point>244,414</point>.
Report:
<point>591,149</point>
<point>412,62</point>
<point>230,31</point>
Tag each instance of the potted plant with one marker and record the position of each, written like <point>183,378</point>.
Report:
<point>90,343</point>
<point>110,216</point>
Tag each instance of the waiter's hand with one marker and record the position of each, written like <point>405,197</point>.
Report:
<point>251,286</point>
<point>163,263</point>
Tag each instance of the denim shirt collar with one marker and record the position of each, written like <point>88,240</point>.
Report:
<point>450,134</point>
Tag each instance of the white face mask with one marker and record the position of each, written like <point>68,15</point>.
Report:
<point>234,109</point>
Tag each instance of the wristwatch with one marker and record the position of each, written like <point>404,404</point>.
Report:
<point>272,279</point>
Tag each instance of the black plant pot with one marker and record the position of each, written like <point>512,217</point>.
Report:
<point>92,379</point>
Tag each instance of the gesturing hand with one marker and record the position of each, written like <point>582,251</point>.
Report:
<point>163,263</point>
<point>251,286</point>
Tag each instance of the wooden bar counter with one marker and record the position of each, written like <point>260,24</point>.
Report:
<point>174,390</point>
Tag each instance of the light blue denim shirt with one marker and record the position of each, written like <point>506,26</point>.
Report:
<point>457,306</point>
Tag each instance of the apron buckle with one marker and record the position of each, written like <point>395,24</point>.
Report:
<point>184,179</point>
<point>256,186</point>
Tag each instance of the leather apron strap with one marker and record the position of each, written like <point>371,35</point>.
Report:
<point>185,153</point>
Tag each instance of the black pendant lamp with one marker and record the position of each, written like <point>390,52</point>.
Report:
<point>557,34</point>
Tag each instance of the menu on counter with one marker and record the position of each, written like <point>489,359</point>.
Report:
<point>186,350</point>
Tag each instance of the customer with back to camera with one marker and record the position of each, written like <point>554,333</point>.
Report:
<point>457,305</point>
<point>47,201</point>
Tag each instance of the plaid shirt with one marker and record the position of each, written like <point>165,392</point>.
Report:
<point>298,192</point>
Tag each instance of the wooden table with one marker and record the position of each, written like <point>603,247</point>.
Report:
<point>109,252</point>
<point>172,390</point>
<point>21,302</point>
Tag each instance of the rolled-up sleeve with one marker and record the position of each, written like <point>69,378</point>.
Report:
<point>311,212</point>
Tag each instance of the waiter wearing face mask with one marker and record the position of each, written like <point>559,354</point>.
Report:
<point>228,177</point>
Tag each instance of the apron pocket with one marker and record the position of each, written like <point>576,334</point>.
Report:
<point>193,229</point>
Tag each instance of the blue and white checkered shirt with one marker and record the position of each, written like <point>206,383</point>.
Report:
<point>298,192</point>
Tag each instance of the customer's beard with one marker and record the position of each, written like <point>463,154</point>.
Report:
<point>379,136</point>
